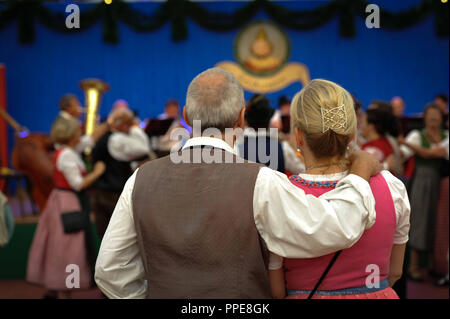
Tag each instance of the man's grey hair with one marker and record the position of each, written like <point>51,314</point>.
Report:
<point>216,98</point>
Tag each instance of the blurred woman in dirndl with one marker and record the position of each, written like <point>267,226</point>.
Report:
<point>64,235</point>
<point>424,185</point>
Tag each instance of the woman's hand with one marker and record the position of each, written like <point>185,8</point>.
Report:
<point>364,165</point>
<point>99,169</point>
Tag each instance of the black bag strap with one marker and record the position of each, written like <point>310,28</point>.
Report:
<point>336,255</point>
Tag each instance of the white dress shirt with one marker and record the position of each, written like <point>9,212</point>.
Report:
<point>128,147</point>
<point>291,223</point>
<point>399,197</point>
<point>70,164</point>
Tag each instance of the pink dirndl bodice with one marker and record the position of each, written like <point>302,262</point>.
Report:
<point>354,264</point>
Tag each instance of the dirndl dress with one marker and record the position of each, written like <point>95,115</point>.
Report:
<point>59,260</point>
<point>424,197</point>
<point>53,250</point>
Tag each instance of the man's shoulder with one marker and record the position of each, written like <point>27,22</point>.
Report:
<point>155,164</point>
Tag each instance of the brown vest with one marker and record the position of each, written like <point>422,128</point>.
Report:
<point>196,230</point>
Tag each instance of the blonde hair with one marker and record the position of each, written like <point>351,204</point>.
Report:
<point>325,113</point>
<point>63,130</point>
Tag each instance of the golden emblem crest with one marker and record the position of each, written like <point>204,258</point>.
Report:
<point>262,51</point>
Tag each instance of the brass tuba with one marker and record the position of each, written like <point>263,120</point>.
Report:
<point>93,92</point>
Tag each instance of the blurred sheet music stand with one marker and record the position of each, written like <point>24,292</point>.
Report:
<point>156,127</point>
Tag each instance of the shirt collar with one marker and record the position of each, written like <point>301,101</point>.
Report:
<point>210,141</point>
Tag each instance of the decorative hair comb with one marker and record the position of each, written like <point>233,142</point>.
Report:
<point>334,118</point>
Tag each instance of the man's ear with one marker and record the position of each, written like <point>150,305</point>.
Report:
<point>241,119</point>
<point>185,116</point>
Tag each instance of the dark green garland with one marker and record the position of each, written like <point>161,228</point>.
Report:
<point>177,12</point>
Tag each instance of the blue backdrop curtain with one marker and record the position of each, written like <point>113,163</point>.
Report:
<point>148,68</point>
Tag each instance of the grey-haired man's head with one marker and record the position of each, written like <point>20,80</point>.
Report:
<point>215,98</point>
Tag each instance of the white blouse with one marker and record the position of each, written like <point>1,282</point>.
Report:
<point>414,138</point>
<point>399,197</point>
<point>71,165</point>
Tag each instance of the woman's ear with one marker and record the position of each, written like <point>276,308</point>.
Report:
<point>185,116</point>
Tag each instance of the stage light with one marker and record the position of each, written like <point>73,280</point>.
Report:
<point>108,1</point>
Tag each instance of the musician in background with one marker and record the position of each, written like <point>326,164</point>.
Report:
<point>398,106</point>
<point>120,104</point>
<point>163,144</point>
<point>70,108</point>
<point>124,143</point>
<point>171,110</point>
